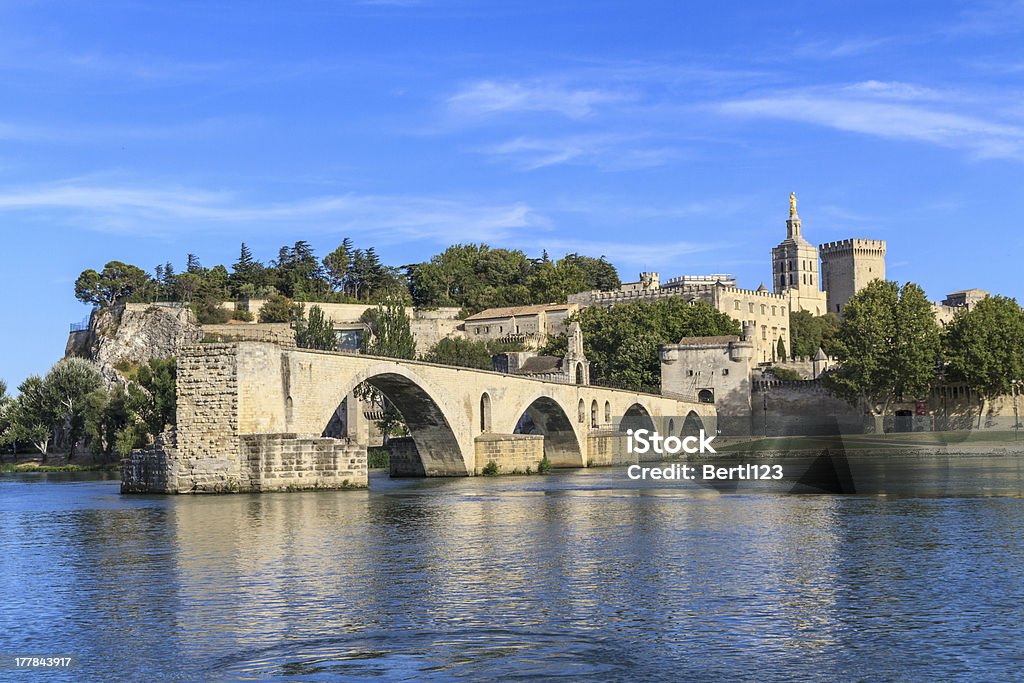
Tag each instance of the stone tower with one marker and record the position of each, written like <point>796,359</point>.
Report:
<point>848,266</point>
<point>795,267</point>
<point>575,363</point>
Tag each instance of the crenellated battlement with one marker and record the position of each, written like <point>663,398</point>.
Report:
<point>858,245</point>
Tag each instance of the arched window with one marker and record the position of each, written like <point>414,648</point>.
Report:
<point>485,412</point>
<point>671,427</point>
<point>706,396</point>
<point>607,413</point>
<point>582,410</point>
<point>579,373</point>
<point>593,415</point>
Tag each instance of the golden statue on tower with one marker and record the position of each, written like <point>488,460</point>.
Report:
<point>792,204</point>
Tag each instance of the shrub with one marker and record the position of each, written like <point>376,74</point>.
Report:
<point>490,469</point>
<point>377,458</point>
<point>785,374</point>
<point>544,466</point>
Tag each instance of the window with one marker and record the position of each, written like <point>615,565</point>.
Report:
<point>689,373</point>
<point>607,413</point>
<point>581,410</point>
<point>736,305</point>
<point>725,372</point>
<point>764,333</point>
<point>775,310</point>
<point>751,306</point>
<point>593,415</point>
<point>764,309</point>
<point>485,412</point>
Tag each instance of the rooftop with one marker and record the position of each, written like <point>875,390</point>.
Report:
<point>510,311</point>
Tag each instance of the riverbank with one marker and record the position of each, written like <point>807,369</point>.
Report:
<point>909,443</point>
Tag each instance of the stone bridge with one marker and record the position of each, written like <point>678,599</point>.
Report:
<point>255,416</point>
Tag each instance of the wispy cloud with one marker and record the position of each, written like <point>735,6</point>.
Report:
<point>834,49</point>
<point>605,151</point>
<point>487,97</point>
<point>889,110</point>
<point>162,210</point>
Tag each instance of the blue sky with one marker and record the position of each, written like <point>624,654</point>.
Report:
<point>663,135</point>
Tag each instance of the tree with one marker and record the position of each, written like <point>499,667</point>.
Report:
<point>391,333</point>
<point>554,282</point>
<point>337,264</point>
<point>32,415</point>
<point>247,274</point>
<point>984,347</point>
<point>65,387</point>
<point>808,333</point>
<point>468,353</point>
<point>597,272</point>
<point>622,342</point>
<point>105,414</point>
<point>299,274</point>
<point>888,345</point>
<point>317,332</point>
<point>780,350</point>
<point>280,309</point>
<point>473,277</point>
<point>116,283</point>
<point>157,405</point>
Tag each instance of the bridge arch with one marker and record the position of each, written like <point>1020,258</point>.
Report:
<point>693,424</point>
<point>637,417</point>
<point>544,415</point>
<point>433,430</point>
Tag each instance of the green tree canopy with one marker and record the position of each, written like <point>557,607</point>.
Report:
<point>280,309</point>
<point>117,282</point>
<point>597,272</point>
<point>984,347</point>
<point>391,333</point>
<point>468,353</point>
<point>317,332</point>
<point>888,346</point>
<point>622,342</point>
<point>473,277</point>
<point>808,333</point>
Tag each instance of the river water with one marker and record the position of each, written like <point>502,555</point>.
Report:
<point>582,574</point>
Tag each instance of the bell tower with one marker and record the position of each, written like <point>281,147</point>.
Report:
<point>795,267</point>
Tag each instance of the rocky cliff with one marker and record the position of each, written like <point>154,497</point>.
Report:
<point>133,334</point>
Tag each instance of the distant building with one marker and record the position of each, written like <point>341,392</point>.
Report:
<point>531,325</point>
<point>964,300</point>
<point>802,280</point>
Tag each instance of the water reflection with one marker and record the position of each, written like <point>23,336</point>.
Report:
<point>581,573</point>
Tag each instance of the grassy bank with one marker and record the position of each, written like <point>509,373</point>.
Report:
<point>38,467</point>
